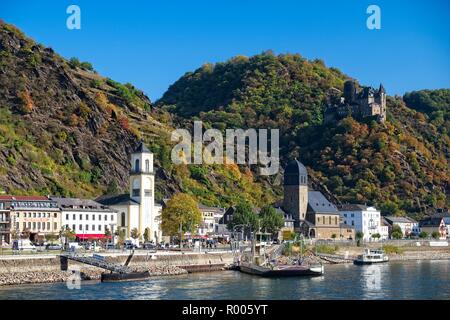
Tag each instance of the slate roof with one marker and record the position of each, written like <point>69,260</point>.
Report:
<point>393,219</point>
<point>141,148</point>
<point>352,207</point>
<point>116,200</point>
<point>317,203</point>
<point>80,204</point>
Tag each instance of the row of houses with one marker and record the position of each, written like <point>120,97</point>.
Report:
<point>305,211</point>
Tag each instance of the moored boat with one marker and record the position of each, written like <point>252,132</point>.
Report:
<point>371,256</point>
<point>281,271</point>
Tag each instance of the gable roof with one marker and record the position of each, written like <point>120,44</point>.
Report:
<point>393,219</point>
<point>117,200</point>
<point>317,203</point>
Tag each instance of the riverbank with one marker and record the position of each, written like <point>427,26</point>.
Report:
<point>49,269</point>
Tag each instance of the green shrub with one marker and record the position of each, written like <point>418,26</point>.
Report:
<point>390,249</point>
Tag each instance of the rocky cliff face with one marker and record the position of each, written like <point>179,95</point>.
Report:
<point>58,132</point>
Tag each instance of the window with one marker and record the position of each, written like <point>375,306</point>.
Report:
<point>87,227</point>
<point>24,225</point>
<point>353,215</point>
<point>34,225</point>
<point>100,217</point>
<point>106,217</point>
<point>136,165</point>
<point>329,220</point>
<point>55,215</point>
<point>55,225</point>
<point>99,227</point>
<point>136,192</point>
<point>353,223</point>
<point>74,217</point>
<point>123,219</point>
<point>323,219</point>
<point>93,227</point>
<point>39,215</point>
<point>93,217</point>
<point>147,165</point>
<point>43,225</point>
<point>73,228</point>
<point>34,214</point>
<point>87,217</point>
<point>48,225</point>
<point>39,226</point>
<point>67,216</point>
<point>29,225</point>
<point>335,220</point>
<point>148,192</point>
<point>17,225</point>
<point>112,217</point>
<point>81,217</point>
<point>80,227</point>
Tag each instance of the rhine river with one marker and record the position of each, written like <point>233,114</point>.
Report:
<point>394,280</point>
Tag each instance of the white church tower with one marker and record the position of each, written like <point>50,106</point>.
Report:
<point>142,190</point>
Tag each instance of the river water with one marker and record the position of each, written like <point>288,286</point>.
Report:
<point>394,280</point>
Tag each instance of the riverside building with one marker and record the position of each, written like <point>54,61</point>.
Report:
<point>87,218</point>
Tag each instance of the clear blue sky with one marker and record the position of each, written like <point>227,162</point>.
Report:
<point>152,43</point>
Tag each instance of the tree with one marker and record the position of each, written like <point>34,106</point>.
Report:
<point>423,235</point>
<point>135,233</point>
<point>120,233</point>
<point>270,220</point>
<point>376,236</point>
<point>435,235</point>
<point>244,215</point>
<point>182,210</point>
<point>359,235</point>
<point>333,236</point>
<point>69,234</point>
<point>147,234</point>
<point>396,232</point>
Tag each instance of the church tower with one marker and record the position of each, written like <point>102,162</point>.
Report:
<point>142,182</point>
<point>296,190</point>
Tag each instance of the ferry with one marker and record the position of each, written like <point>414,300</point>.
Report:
<point>371,256</point>
<point>257,263</point>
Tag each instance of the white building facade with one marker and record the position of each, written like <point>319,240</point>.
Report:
<point>87,218</point>
<point>364,219</point>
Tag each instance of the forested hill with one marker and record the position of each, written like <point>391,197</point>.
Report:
<point>401,166</point>
<point>66,130</point>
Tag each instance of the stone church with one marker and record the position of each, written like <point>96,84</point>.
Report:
<point>314,216</point>
<point>137,209</point>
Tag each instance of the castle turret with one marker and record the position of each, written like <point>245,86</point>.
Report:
<point>349,91</point>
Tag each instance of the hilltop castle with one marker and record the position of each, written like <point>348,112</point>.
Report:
<point>368,102</point>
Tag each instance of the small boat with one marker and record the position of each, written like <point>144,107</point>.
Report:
<point>371,256</point>
<point>131,276</point>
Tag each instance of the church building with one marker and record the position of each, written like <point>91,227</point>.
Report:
<point>137,209</point>
<point>314,216</point>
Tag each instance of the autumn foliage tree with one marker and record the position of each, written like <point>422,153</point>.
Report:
<point>181,210</point>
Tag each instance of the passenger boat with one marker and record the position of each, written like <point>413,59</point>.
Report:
<point>371,256</point>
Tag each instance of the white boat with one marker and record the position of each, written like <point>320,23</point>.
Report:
<point>371,256</point>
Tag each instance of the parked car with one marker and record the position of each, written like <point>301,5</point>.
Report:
<point>23,245</point>
<point>53,246</point>
<point>110,246</point>
<point>149,246</point>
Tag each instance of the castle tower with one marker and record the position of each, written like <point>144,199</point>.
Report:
<point>350,91</point>
<point>296,190</point>
<point>381,99</point>
<point>142,182</point>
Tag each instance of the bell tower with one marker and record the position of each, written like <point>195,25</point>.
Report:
<point>296,190</point>
<point>142,183</point>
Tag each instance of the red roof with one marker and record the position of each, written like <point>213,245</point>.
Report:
<point>24,198</point>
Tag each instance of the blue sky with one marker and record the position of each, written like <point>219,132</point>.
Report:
<point>152,43</point>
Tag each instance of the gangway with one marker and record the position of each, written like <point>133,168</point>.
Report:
<point>96,262</point>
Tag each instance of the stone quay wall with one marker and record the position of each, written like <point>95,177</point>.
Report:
<point>34,269</point>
